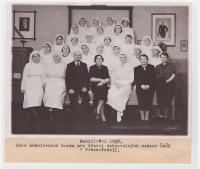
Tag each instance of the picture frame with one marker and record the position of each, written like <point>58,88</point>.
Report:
<point>163,28</point>
<point>183,45</point>
<point>24,25</point>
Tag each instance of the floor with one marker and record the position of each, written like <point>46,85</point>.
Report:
<point>82,121</point>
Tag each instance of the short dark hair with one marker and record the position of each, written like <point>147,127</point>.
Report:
<point>144,56</point>
<point>95,58</point>
<point>165,54</point>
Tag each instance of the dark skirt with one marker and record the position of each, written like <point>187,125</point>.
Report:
<point>165,92</point>
<point>145,99</point>
<point>100,93</point>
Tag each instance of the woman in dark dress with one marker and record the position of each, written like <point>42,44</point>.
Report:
<point>99,79</point>
<point>165,89</point>
<point>145,76</point>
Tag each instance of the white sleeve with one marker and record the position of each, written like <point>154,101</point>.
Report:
<point>25,76</point>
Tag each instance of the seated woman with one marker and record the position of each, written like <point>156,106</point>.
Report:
<point>166,73</point>
<point>99,79</point>
<point>145,77</point>
<point>32,86</point>
<point>58,44</point>
<point>46,53</point>
<point>120,88</point>
<point>66,54</point>
<point>55,88</point>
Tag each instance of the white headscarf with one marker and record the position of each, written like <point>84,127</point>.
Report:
<point>123,19</point>
<point>146,37</point>
<point>96,18</point>
<point>57,37</point>
<point>46,43</point>
<point>71,31</point>
<point>32,54</point>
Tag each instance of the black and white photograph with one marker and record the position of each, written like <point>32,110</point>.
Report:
<point>97,70</point>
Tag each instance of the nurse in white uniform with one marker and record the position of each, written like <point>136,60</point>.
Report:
<point>87,57</point>
<point>55,88</point>
<point>83,29</point>
<point>128,49</point>
<point>46,53</point>
<point>32,86</point>
<point>58,44</point>
<point>109,28</point>
<point>95,23</point>
<point>100,36</point>
<point>66,55</point>
<point>127,30</point>
<point>108,49</point>
<point>118,36</point>
<point>146,45</point>
<point>120,88</point>
<point>74,32</point>
<point>154,58</point>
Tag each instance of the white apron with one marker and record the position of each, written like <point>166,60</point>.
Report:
<point>55,88</point>
<point>32,84</point>
<point>118,97</point>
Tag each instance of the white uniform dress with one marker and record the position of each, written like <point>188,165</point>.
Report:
<point>46,58</point>
<point>55,88</point>
<point>109,30</point>
<point>67,59</point>
<point>118,97</point>
<point>32,84</point>
<point>88,59</point>
<point>70,36</point>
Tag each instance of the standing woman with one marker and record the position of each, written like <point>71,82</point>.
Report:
<point>32,86</point>
<point>120,88</point>
<point>55,88</point>
<point>166,73</point>
<point>95,23</point>
<point>99,79</point>
<point>127,30</point>
<point>58,44</point>
<point>99,38</point>
<point>46,53</point>
<point>145,76</point>
<point>109,28</point>
<point>66,55</point>
<point>118,36</point>
<point>74,32</point>
<point>83,29</point>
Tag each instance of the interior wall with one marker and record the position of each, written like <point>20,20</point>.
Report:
<point>50,21</point>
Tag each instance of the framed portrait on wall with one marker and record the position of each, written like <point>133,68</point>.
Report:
<point>24,25</point>
<point>163,28</point>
